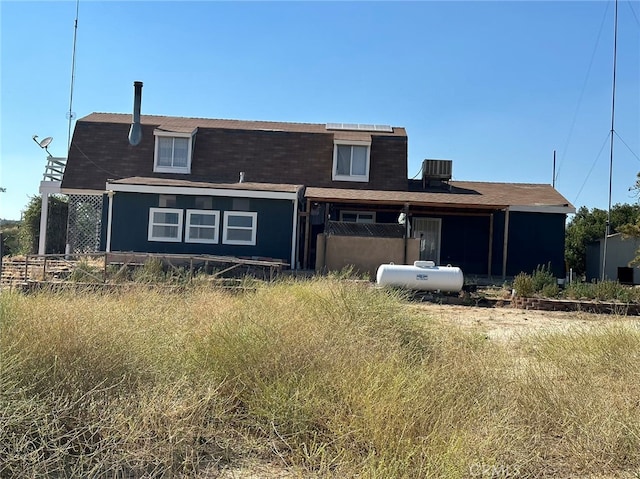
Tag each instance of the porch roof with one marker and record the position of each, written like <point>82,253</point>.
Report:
<point>461,195</point>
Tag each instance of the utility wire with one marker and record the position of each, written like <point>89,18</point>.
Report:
<point>93,162</point>
<point>628,147</point>
<point>604,143</point>
<point>584,87</point>
<point>633,12</point>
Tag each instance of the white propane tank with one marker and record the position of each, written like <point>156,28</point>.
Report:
<point>422,275</point>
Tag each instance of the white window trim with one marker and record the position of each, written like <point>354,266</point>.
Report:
<point>172,169</point>
<point>215,227</point>
<point>253,229</point>
<point>150,236</point>
<point>358,213</point>
<point>360,178</point>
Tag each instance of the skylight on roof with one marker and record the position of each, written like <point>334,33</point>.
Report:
<point>359,127</point>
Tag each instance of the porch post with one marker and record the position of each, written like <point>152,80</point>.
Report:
<point>506,243</point>
<point>406,232</point>
<point>44,213</point>
<point>490,245</point>
<point>294,232</point>
<point>109,221</point>
<point>46,188</point>
<point>307,240</point>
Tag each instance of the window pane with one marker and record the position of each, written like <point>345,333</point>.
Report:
<point>365,218</point>
<point>205,220</point>
<point>180,152</point>
<point>202,233</point>
<point>241,221</point>
<point>167,218</point>
<point>350,217</point>
<point>343,166</point>
<point>239,235</point>
<point>359,163</point>
<point>165,231</point>
<point>165,149</point>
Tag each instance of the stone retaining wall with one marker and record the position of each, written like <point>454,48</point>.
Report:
<point>546,304</point>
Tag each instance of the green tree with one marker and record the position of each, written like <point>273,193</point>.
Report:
<point>9,230</point>
<point>29,231</point>
<point>590,225</point>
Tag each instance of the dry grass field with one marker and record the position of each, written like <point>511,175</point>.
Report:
<point>311,379</point>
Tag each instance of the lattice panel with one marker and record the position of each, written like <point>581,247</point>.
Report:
<point>85,223</point>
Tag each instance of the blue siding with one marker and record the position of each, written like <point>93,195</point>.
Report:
<point>465,243</point>
<point>497,249</point>
<point>130,224</point>
<point>536,239</point>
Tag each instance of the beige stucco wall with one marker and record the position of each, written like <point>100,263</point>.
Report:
<point>363,254</point>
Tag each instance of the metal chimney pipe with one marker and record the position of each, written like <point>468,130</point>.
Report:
<point>135,133</point>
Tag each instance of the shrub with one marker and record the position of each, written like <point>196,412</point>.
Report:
<point>603,291</point>
<point>541,277</point>
<point>523,284</point>
<point>540,281</point>
<point>579,290</point>
<point>550,290</point>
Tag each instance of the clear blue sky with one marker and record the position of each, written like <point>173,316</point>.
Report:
<point>493,86</point>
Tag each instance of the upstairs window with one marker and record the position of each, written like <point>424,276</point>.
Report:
<point>351,161</point>
<point>173,152</point>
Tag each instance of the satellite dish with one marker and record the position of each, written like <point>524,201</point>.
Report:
<point>44,143</point>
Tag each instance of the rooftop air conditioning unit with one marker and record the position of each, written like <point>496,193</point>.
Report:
<point>436,170</point>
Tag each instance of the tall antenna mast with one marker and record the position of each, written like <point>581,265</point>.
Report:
<point>553,178</point>
<point>70,114</point>
<point>613,110</point>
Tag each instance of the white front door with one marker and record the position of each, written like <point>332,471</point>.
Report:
<point>428,231</point>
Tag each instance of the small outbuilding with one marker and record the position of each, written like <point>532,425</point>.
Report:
<point>620,253</point>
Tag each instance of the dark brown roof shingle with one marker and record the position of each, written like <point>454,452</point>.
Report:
<point>463,194</point>
<point>268,152</point>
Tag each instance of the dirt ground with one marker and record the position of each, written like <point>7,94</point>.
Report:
<point>504,323</point>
